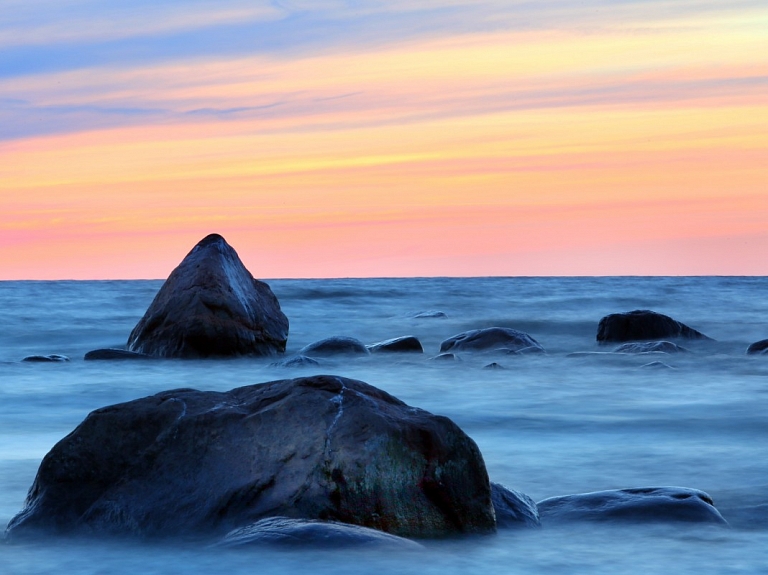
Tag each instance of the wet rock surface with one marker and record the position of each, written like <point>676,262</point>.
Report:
<point>403,344</point>
<point>513,509</point>
<point>193,463</point>
<point>336,345</point>
<point>52,358</point>
<point>211,306</point>
<point>491,339</point>
<point>642,325</point>
<point>759,347</point>
<point>648,504</point>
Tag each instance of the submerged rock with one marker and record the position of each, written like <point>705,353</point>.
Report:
<point>429,314</point>
<point>337,345</point>
<point>187,462</point>
<point>110,353</point>
<point>759,347</point>
<point>211,306</point>
<point>491,339</point>
<point>406,343</point>
<point>446,357</point>
<point>287,532</point>
<point>53,358</point>
<point>513,509</point>
<point>493,365</point>
<point>642,324</point>
<point>651,347</point>
<point>648,504</point>
<point>296,361</point>
<point>656,365</point>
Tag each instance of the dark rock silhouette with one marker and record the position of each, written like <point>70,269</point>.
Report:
<point>404,344</point>
<point>491,339</point>
<point>53,358</point>
<point>642,325</point>
<point>194,463</point>
<point>513,509</point>
<point>111,354</point>
<point>648,504</point>
<point>211,306</point>
<point>650,347</point>
<point>759,347</point>
<point>287,532</point>
<point>337,345</point>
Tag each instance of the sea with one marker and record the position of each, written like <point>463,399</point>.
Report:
<point>547,424</point>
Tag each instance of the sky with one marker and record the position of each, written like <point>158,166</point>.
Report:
<point>365,138</point>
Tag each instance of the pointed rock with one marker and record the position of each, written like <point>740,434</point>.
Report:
<point>211,306</point>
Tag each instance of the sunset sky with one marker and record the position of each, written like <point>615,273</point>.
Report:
<point>330,138</point>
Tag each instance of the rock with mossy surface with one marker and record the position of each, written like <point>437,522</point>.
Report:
<point>211,306</point>
<point>187,463</point>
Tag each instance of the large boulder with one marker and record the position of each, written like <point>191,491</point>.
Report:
<point>491,339</point>
<point>640,505</point>
<point>211,306</point>
<point>194,463</point>
<point>642,324</point>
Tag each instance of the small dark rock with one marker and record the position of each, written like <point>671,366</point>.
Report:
<point>296,361</point>
<point>211,306</point>
<point>446,357</point>
<point>494,365</point>
<point>284,531</point>
<point>53,358</point>
<point>337,345</point>
<point>650,347</point>
<point>642,325</point>
<point>759,347</point>
<point>490,339</point>
<point>513,509</point>
<point>648,504</point>
<point>119,354</point>
<point>429,314</point>
<point>406,343</point>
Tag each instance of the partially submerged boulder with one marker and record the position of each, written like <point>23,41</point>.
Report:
<point>211,306</point>
<point>759,347</point>
<point>287,532</point>
<point>513,509</point>
<point>336,345</point>
<point>52,358</point>
<point>647,504</point>
<point>650,347</point>
<point>296,361</point>
<point>195,463</point>
<point>403,344</point>
<point>503,339</point>
<point>642,324</point>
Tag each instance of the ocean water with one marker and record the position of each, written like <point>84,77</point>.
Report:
<point>547,425</point>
